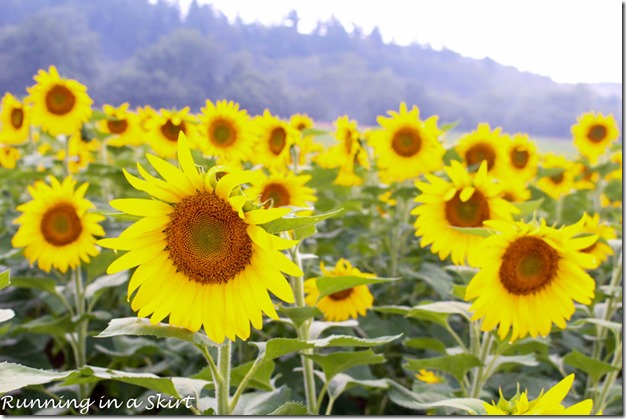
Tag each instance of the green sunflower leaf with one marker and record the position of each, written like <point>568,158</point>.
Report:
<point>294,223</point>
<point>590,366</point>
<point>278,347</point>
<point>342,382</point>
<point>336,362</point>
<point>439,312</point>
<point>352,341</point>
<point>15,376</point>
<point>431,344</point>
<point>42,284</point>
<point>134,326</point>
<point>100,284</point>
<point>299,315</point>
<point>5,279</point>
<point>261,380</point>
<point>262,402</point>
<point>528,207</point>
<point>455,365</point>
<point>290,409</point>
<point>327,285</point>
<point>400,310</point>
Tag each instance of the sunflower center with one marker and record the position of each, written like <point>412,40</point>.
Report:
<point>597,133</point>
<point>117,126</point>
<point>278,194</point>
<point>171,130</point>
<point>347,141</point>
<point>519,158</point>
<point>222,133</point>
<point>60,100</point>
<point>557,179</point>
<point>406,141</point>
<point>341,295</point>
<point>528,265</point>
<point>470,213</point>
<point>17,118</point>
<point>60,225</point>
<point>479,152</point>
<point>278,140</point>
<point>207,240</point>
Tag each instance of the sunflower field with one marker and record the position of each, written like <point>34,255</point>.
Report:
<point>160,261</point>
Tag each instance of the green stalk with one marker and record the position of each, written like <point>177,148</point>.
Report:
<point>222,386</point>
<point>80,353</point>
<point>478,379</point>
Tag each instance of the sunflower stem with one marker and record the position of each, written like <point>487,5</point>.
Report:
<point>303,333</point>
<point>599,404</point>
<point>558,212</point>
<point>81,326</point>
<point>477,378</point>
<point>244,383</point>
<point>222,384</point>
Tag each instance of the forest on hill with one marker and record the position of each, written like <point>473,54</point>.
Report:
<point>150,54</point>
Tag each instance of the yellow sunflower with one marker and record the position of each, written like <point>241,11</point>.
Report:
<point>521,158</point>
<point>529,277</point>
<point>9,157</point>
<point>406,146</point>
<point>164,128</point>
<point>59,105</point>
<point>593,133</point>
<point>14,120</point>
<point>341,305</point>
<point>345,155</point>
<point>78,154</point>
<point>584,176</point>
<point>307,144</point>
<point>483,144</point>
<point>616,157</point>
<point>145,115</point>
<point>225,132</point>
<point>467,200</point>
<point>544,405</point>
<point>559,183</point>
<point>56,229</point>
<point>275,138</point>
<point>201,258</point>
<point>599,249</point>
<point>515,189</point>
<point>281,190</point>
<point>121,125</point>
<point>428,377</point>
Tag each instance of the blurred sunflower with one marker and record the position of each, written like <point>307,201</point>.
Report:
<point>307,144</point>
<point>164,128</point>
<point>593,133</point>
<point>546,404</point>
<point>483,144</point>
<point>616,157</point>
<point>201,258</point>
<point>514,189</point>
<point>145,114</point>
<point>522,159</point>
<point>275,138</point>
<point>56,229</point>
<point>59,105</point>
<point>345,155</point>
<point>561,181</point>
<point>529,277</point>
<point>122,126</point>
<point>78,154</point>
<point>601,250</point>
<point>341,305</point>
<point>14,120</point>
<point>9,157</point>
<point>467,200</point>
<point>225,132</point>
<point>406,146</point>
<point>281,190</point>
<point>585,177</point>
<point>428,377</point>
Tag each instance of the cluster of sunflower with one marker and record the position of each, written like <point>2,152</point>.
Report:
<point>206,252</point>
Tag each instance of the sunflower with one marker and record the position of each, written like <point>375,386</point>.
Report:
<point>14,120</point>
<point>56,229</point>
<point>467,200</point>
<point>78,154</point>
<point>483,144</point>
<point>145,115</point>
<point>546,404</point>
<point>616,157</point>
<point>201,257</point>
<point>428,377</point>
<point>275,138</point>
<point>406,146</point>
<point>164,128</point>
<point>347,154</point>
<point>341,305</point>
<point>225,132</point>
<point>593,133</point>
<point>585,177</point>
<point>599,249</point>
<point>59,105</point>
<point>282,190</point>
<point>561,180</point>
<point>121,125</point>
<point>529,277</point>
<point>9,157</point>
<point>521,159</point>
<point>307,144</point>
<point>515,189</point>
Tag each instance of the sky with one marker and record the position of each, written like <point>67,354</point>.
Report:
<point>570,41</point>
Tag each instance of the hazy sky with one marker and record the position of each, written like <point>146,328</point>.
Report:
<point>568,40</point>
